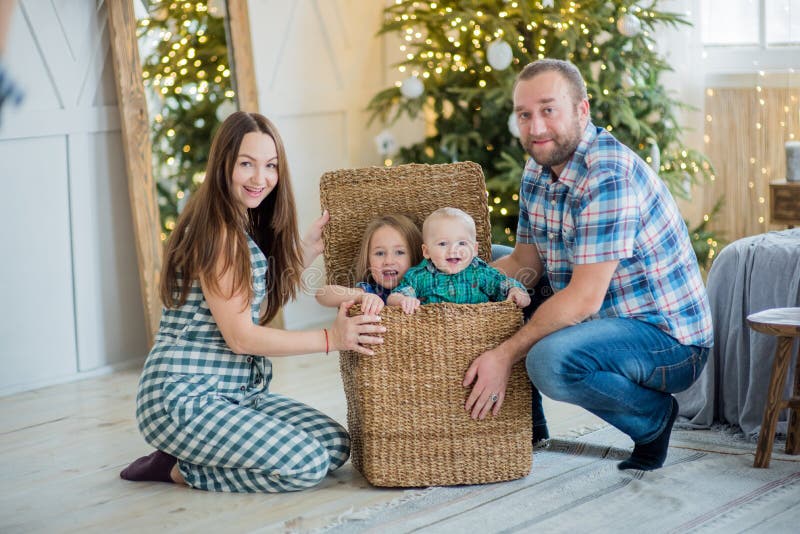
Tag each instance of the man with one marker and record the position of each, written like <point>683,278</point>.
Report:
<point>629,321</point>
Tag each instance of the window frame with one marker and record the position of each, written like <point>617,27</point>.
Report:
<point>750,58</point>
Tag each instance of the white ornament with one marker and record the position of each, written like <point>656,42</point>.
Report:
<point>386,143</point>
<point>655,156</point>
<point>687,184</point>
<point>547,3</point>
<point>412,87</point>
<point>513,125</point>
<point>499,54</point>
<point>594,68</point>
<point>225,108</point>
<point>629,25</point>
<point>627,81</point>
<point>161,14</point>
<point>602,38</point>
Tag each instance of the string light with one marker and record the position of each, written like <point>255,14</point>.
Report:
<point>756,188</point>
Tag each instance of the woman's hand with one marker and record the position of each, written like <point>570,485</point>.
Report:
<point>312,241</point>
<point>353,333</point>
<point>371,304</point>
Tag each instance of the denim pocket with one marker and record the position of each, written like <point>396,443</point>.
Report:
<point>186,395</point>
<point>678,376</point>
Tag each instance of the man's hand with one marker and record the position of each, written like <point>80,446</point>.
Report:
<point>490,373</point>
<point>519,296</point>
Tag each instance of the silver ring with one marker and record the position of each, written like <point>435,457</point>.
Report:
<point>493,397</point>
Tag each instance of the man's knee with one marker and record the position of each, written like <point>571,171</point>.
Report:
<point>547,365</point>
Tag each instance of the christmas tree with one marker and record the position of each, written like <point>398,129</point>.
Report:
<point>187,79</point>
<point>461,59</point>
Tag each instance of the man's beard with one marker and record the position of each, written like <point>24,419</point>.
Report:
<point>561,152</point>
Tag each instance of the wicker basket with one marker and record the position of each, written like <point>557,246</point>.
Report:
<point>405,405</point>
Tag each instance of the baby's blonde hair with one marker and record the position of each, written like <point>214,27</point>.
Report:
<point>407,230</point>
<point>450,213</point>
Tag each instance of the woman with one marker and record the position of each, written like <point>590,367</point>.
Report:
<point>203,400</point>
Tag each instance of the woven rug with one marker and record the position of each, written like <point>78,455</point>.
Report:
<point>708,484</point>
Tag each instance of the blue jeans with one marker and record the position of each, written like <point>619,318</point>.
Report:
<point>621,370</point>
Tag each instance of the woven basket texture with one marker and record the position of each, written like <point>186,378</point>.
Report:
<point>356,196</point>
<point>405,405</point>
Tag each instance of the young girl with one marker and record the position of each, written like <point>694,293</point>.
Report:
<point>203,400</point>
<point>390,245</point>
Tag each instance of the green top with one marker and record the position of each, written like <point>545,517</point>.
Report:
<point>479,282</point>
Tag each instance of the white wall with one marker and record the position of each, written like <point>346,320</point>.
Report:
<point>318,64</point>
<point>68,280</point>
<point>682,49</point>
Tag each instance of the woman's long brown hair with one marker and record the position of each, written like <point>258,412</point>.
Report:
<point>212,227</point>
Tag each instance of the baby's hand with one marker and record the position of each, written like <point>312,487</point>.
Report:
<point>519,296</point>
<point>371,304</point>
<point>409,304</point>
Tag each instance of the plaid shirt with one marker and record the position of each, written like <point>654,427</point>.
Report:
<point>607,205</point>
<point>479,282</point>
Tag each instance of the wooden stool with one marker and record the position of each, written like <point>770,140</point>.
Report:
<point>784,323</point>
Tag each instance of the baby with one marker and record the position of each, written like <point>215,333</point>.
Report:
<point>451,270</point>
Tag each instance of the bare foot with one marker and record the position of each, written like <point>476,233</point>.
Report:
<point>176,476</point>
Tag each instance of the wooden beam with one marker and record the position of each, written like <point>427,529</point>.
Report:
<point>242,58</point>
<point>138,156</point>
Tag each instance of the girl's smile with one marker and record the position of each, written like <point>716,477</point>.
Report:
<point>389,257</point>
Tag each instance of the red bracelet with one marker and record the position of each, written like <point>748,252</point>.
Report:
<point>327,345</point>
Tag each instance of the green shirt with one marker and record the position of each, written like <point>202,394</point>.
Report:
<point>479,282</point>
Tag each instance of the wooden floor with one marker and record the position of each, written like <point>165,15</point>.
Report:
<point>62,447</point>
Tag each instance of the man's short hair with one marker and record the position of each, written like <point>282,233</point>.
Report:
<point>568,70</point>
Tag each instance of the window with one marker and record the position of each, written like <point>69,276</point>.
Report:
<point>750,22</point>
<point>749,36</point>
<point>782,19</point>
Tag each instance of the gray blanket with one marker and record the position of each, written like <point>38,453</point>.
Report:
<point>749,275</point>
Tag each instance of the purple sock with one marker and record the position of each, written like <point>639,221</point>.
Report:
<point>153,467</point>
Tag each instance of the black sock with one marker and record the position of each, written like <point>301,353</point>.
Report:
<point>540,433</point>
<point>153,467</point>
<point>651,455</point>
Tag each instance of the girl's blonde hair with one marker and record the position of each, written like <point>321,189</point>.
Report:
<point>212,227</point>
<point>407,230</point>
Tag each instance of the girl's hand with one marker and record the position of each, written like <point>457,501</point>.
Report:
<point>353,333</point>
<point>519,296</point>
<point>371,304</point>
<point>312,241</point>
<point>409,304</point>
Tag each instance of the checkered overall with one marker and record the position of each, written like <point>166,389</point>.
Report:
<point>212,409</point>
